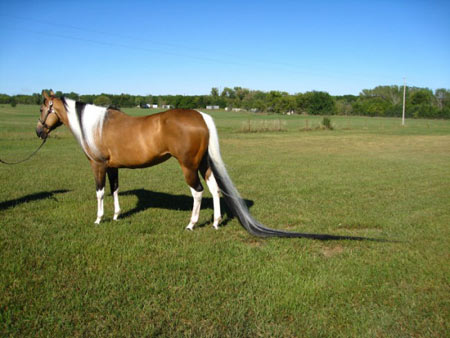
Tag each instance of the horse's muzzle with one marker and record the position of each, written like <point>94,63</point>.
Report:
<point>41,133</point>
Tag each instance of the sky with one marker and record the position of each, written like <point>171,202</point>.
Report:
<point>188,47</point>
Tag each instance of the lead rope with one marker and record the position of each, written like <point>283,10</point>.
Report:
<point>26,159</point>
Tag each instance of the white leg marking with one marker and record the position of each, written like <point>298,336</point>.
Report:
<point>197,195</point>
<point>214,189</point>
<point>100,194</point>
<point>116,204</point>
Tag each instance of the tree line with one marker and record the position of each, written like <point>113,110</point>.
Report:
<point>379,101</point>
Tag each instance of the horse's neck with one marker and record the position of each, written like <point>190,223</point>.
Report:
<point>86,123</point>
<point>84,116</point>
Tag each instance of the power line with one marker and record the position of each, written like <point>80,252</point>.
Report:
<point>232,59</point>
<point>195,49</point>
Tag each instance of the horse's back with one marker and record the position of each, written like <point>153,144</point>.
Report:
<point>182,120</point>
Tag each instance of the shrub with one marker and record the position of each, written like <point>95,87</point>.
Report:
<point>326,122</point>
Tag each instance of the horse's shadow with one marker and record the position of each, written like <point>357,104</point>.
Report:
<point>158,200</point>
<point>30,198</point>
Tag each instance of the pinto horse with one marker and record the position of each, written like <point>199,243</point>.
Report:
<point>111,139</point>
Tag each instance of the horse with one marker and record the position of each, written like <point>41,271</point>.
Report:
<point>111,140</point>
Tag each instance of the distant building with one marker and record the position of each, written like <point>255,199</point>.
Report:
<point>212,107</point>
<point>147,105</point>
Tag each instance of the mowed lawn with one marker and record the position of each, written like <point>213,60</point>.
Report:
<point>144,275</point>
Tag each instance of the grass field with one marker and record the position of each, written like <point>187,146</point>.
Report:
<point>144,275</point>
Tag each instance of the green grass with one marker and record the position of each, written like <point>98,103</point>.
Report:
<point>146,276</point>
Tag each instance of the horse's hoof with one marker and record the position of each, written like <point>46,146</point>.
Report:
<point>216,223</point>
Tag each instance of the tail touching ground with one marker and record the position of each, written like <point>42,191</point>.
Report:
<point>237,205</point>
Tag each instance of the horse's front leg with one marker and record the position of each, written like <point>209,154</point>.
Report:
<point>113,175</point>
<point>99,170</point>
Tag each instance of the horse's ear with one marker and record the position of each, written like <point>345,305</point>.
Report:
<point>52,93</point>
<point>45,95</point>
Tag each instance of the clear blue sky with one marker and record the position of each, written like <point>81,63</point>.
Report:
<point>188,47</point>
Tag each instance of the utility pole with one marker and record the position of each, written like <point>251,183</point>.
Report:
<point>404,99</point>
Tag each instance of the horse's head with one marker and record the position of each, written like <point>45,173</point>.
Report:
<point>49,118</point>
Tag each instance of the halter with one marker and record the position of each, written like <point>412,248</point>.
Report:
<point>49,111</point>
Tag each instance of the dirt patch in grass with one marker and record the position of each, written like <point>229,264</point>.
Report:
<point>331,252</point>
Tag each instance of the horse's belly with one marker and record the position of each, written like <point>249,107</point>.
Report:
<point>136,159</point>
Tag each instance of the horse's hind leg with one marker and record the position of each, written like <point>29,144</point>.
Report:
<point>214,189</point>
<point>113,176</point>
<point>196,187</point>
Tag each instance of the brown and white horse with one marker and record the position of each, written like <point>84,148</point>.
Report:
<point>111,140</point>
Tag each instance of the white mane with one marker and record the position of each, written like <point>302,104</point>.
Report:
<point>87,126</point>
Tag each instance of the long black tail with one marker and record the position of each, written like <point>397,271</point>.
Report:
<point>237,205</point>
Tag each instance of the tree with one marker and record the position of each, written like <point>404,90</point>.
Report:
<point>139,100</point>
<point>273,101</point>
<point>148,99</point>
<point>5,98</point>
<point>87,98</point>
<point>214,92</point>
<point>228,93</point>
<point>318,103</point>
<point>102,100</point>
<point>200,102</point>
<point>376,107</point>
<point>37,98</point>
<point>259,105</point>
<point>343,107</point>
<point>125,100</point>
<point>391,94</point>
<point>241,92</point>
<point>378,101</point>
<point>442,97</point>
<point>72,95</point>
<point>422,96</point>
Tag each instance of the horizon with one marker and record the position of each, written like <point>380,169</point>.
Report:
<point>209,94</point>
<point>139,48</point>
